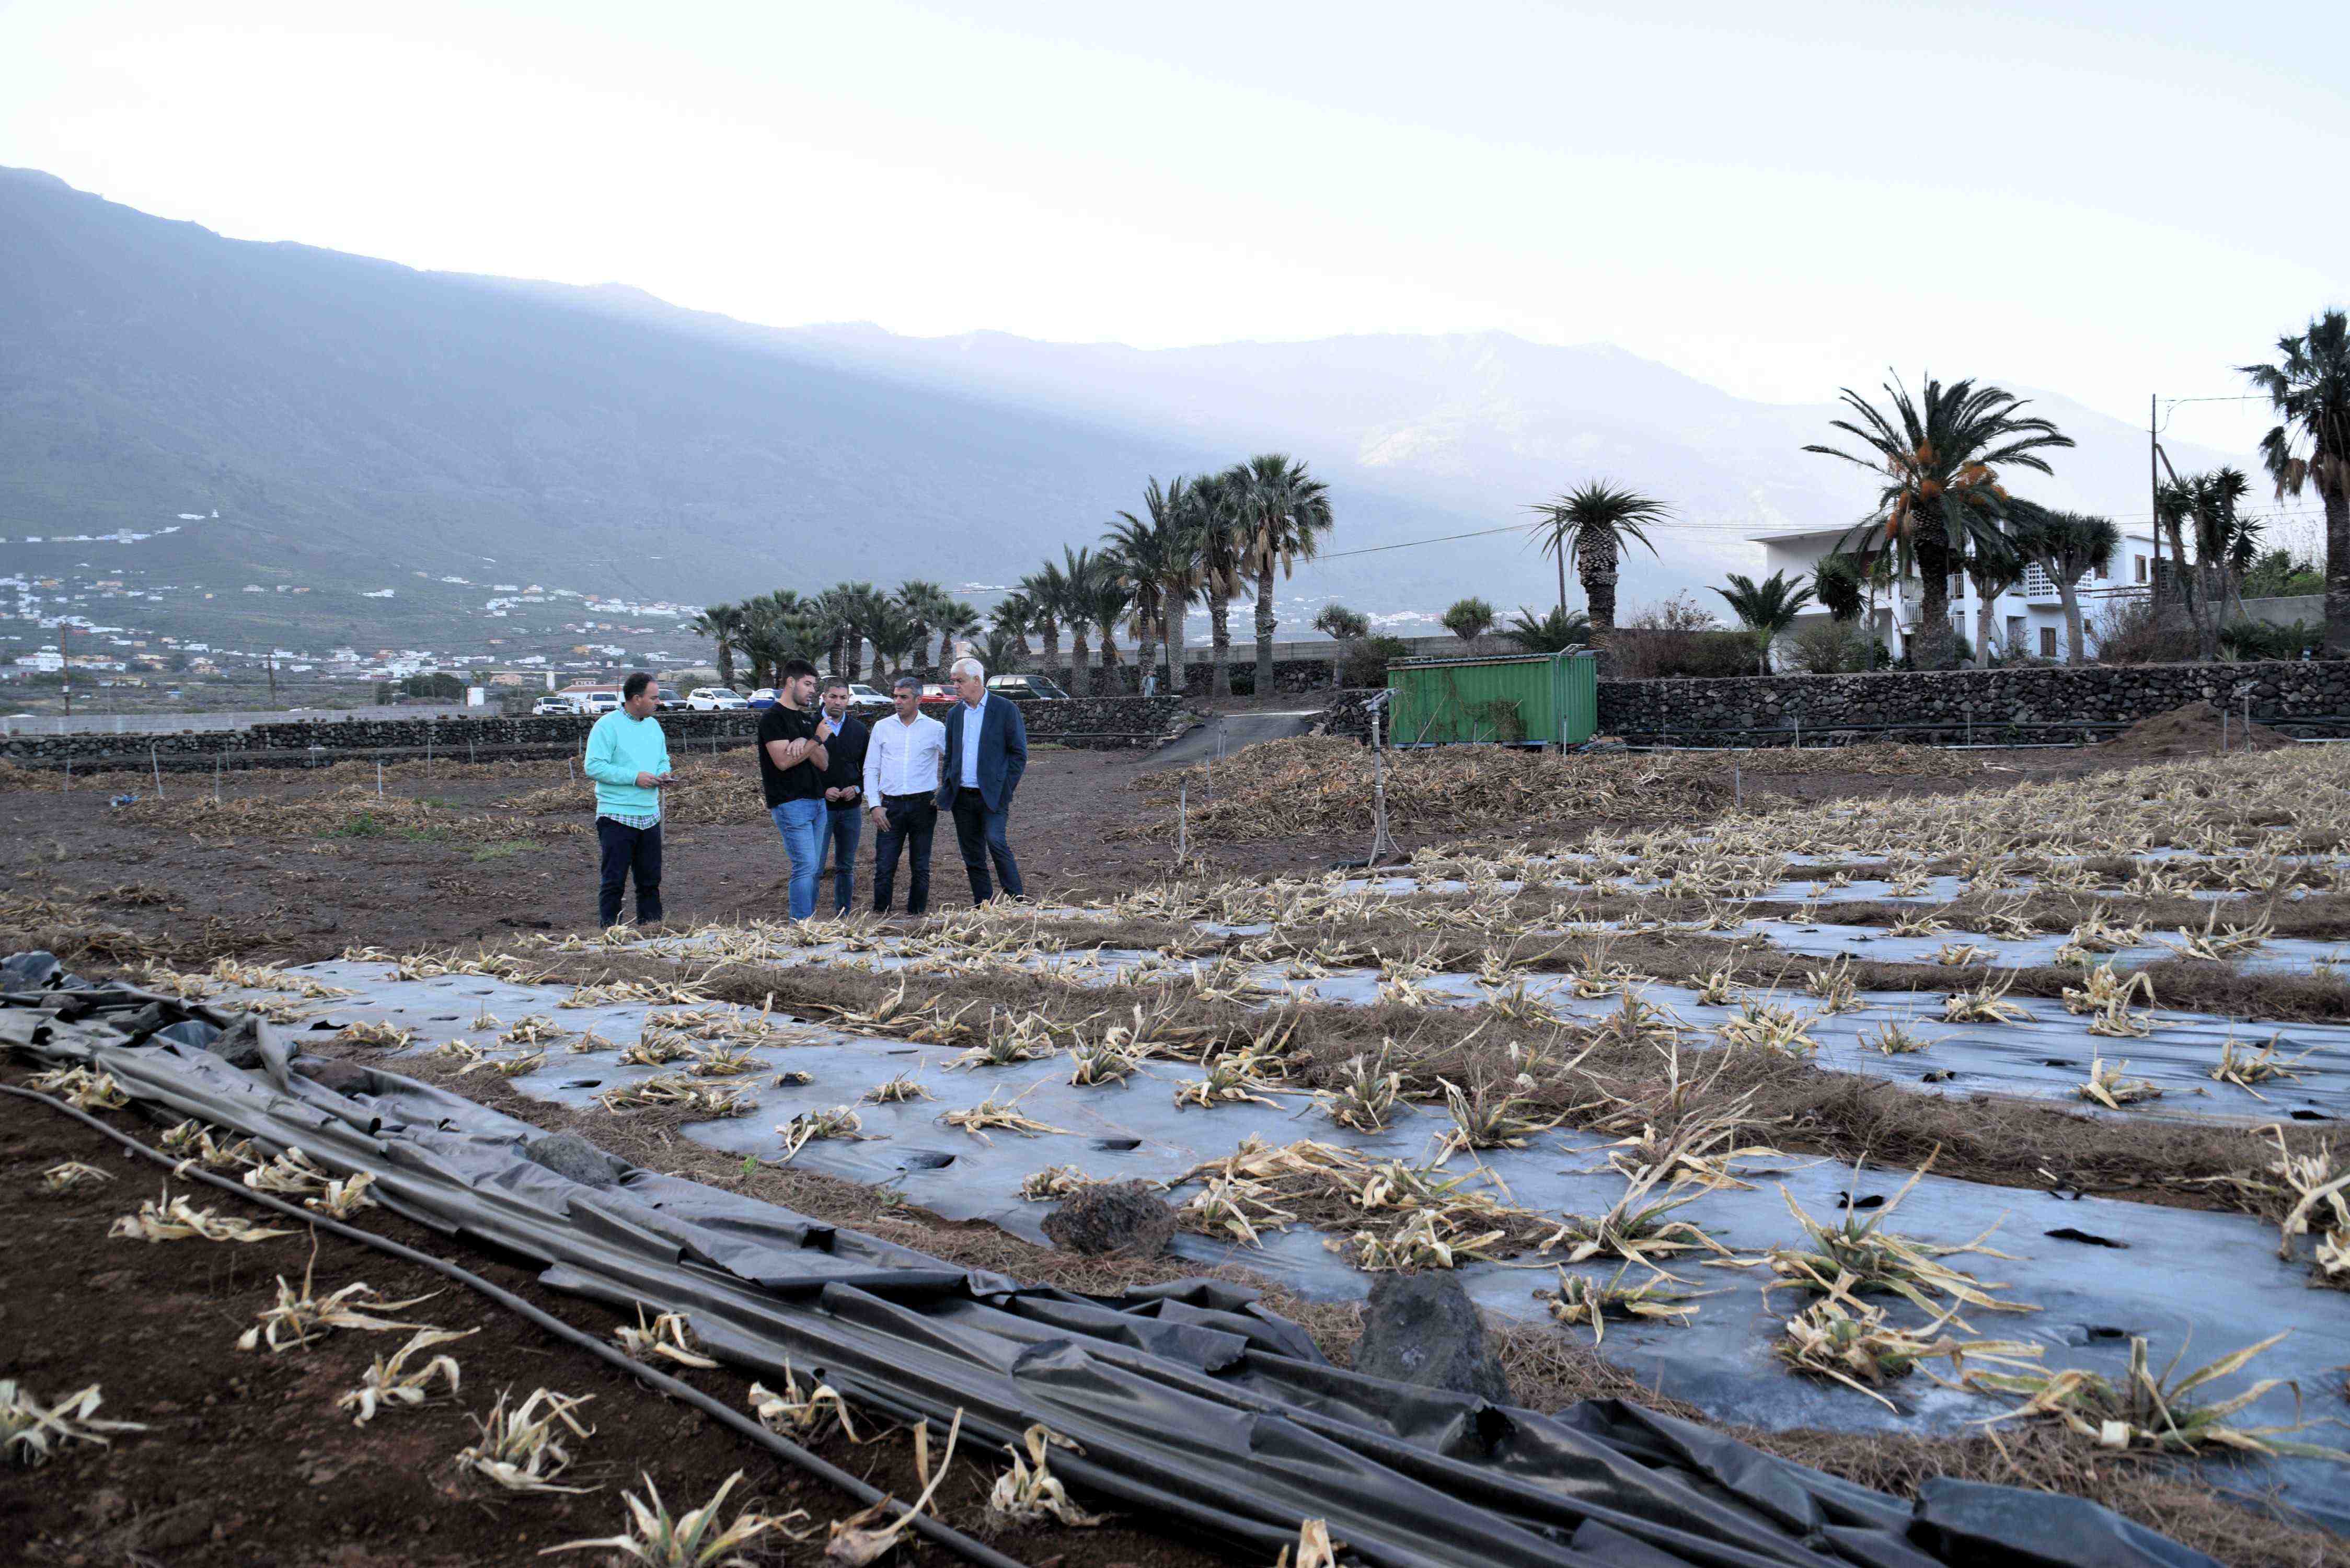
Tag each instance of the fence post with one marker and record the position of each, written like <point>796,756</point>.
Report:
<point>216,776</point>
<point>379,778</point>
<point>1182,822</point>
<point>1737,786</point>
<point>156,767</point>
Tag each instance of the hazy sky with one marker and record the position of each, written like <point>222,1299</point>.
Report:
<point>2101,199</point>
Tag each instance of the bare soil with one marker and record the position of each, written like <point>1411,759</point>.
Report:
<point>246,1462</point>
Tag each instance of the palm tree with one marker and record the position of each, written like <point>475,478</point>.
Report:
<point>1111,600</point>
<point>896,637</point>
<point>1007,630</point>
<point>1469,619</point>
<point>777,626</point>
<point>925,603</point>
<point>951,621</point>
<point>2066,546</point>
<point>1211,522</point>
<point>1938,458</point>
<point>1839,587</point>
<point>1003,649</point>
<point>1585,528</point>
<point>2309,387</point>
<point>1047,591</point>
<point>1283,513</point>
<point>1555,632</point>
<point>1079,570</point>
<point>719,623</point>
<point>1136,549</point>
<point>1766,608</point>
<point>851,608</point>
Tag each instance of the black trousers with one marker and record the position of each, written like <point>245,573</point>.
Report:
<point>983,836</point>
<point>629,849</point>
<point>912,819</point>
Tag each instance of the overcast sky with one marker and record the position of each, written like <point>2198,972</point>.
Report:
<point>2103,199</point>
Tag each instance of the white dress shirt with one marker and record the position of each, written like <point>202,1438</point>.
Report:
<point>975,715</point>
<point>902,758</point>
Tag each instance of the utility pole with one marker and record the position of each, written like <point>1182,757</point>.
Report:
<point>2154,500</point>
<point>270,664</point>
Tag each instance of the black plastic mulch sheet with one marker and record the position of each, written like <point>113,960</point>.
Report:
<point>1187,1401</point>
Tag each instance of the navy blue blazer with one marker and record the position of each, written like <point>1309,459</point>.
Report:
<point>1003,752</point>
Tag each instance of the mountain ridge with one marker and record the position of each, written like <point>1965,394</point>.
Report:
<point>358,422</point>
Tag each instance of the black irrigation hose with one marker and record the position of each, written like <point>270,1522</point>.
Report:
<point>954,1539</point>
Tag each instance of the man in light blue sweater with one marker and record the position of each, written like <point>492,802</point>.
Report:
<point>627,756</point>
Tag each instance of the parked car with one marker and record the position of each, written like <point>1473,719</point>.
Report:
<point>552,705</point>
<point>672,701</point>
<point>1021,686</point>
<point>599,703</point>
<point>765,697</point>
<point>936,696</point>
<point>714,699</point>
<point>864,698</point>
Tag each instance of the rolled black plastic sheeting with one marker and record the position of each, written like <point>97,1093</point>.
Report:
<point>1187,1402</point>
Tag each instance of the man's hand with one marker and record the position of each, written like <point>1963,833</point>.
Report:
<point>880,820</point>
<point>651,781</point>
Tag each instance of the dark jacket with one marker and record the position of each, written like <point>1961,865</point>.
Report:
<point>1003,752</point>
<point>846,750</point>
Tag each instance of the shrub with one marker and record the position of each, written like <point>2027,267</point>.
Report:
<point>2259,639</point>
<point>1828,648</point>
<point>2127,631</point>
<point>1365,662</point>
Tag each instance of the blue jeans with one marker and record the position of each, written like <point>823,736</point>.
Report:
<point>842,833</point>
<point>801,822</point>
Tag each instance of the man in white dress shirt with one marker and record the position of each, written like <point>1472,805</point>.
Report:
<point>902,780</point>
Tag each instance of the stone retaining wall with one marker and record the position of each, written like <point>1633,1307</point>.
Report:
<point>1090,723</point>
<point>2032,702</point>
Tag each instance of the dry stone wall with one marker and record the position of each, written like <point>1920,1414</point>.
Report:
<point>1087,723</point>
<point>2037,702</point>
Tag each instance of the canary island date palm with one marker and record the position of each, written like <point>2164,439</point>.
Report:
<point>1937,459</point>
<point>2309,387</point>
<point>1587,528</point>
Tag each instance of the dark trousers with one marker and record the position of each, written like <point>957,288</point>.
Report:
<point>629,849</point>
<point>844,829</point>
<point>912,818</point>
<point>980,833</point>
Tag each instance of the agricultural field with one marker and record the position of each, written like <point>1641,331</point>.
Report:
<point>1904,1113</point>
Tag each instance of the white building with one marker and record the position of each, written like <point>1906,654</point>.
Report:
<point>2028,617</point>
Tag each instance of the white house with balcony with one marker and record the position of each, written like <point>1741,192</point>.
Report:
<point>2029,617</point>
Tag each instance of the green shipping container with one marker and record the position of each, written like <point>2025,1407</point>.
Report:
<point>1528,698</point>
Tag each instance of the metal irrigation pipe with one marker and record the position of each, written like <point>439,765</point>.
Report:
<point>954,1539</point>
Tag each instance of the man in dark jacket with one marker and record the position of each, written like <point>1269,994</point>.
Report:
<point>987,751</point>
<point>844,740</point>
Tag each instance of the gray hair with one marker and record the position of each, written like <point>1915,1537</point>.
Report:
<point>907,683</point>
<point>976,668</point>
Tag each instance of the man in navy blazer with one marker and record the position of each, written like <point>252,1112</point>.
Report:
<point>987,751</point>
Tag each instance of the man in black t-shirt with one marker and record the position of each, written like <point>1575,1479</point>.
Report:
<point>792,765</point>
<point>844,740</point>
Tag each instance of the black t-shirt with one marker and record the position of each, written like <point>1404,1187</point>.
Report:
<point>801,783</point>
<point>846,750</point>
